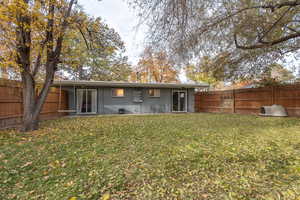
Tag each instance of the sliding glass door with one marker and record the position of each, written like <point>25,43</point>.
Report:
<point>86,101</point>
<point>179,99</point>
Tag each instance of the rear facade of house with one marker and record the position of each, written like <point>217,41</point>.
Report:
<point>96,97</point>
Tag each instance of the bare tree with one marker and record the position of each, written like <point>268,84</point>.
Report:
<point>243,36</point>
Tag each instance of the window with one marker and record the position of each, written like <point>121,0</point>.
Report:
<point>118,92</point>
<point>137,96</point>
<point>154,93</point>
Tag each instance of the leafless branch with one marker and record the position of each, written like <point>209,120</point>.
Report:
<point>266,43</point>
<point>260,39</point>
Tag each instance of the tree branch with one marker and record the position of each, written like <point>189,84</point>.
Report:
<point>54,56</point>
<point>265,44</point>
<point>38,59</point>
<point>49,34</point>
<point>64,26</point>
<point>84,38</point>
<point>292,29</point>
<point>260,39</point>
<point>261,42</point>
<point>270,6</point>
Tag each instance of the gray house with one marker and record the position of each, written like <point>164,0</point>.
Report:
<point>100,97</point>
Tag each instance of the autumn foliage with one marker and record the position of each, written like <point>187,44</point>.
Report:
<point>37,38</point>
<point>155,67</point>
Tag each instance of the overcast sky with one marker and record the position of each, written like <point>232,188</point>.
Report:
<point>118,15</point>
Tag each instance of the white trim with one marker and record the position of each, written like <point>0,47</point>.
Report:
<point>186,102</point>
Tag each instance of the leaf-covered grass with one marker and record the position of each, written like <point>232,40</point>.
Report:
<point>183,156</point>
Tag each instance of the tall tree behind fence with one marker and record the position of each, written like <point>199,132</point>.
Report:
<point>11,104</point>
<point>249,101</point>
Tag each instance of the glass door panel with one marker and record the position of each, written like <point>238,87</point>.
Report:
<point>94,101</point>
<point>175,102</point>
<point>86,101</point>
<point>80,101</point>
<point>89,101</point>
<point>182,101</point>
<point>179,101</point>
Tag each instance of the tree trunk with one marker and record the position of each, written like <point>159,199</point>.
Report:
<point>23,38</point>
<point>32,103</point>
<point>30,122</point>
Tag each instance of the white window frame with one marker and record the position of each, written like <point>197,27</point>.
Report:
<point>112,92</point>
<point>155,96</point>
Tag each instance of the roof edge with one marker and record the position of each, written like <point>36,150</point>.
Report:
<point>127,84</point>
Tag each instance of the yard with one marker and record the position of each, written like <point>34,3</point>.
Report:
<point>170,156</point>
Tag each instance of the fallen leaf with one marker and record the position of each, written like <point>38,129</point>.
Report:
<point>106,196</point>
<point>26,164</point>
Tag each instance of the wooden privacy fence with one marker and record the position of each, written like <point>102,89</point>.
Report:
<point>11,103</point>
<point>249,101</point>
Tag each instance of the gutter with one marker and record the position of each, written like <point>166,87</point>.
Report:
<point>126,84</point>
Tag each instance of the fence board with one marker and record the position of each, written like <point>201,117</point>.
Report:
<point>11,103</point>
<point>249,101</point>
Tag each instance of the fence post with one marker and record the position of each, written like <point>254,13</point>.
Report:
<point>233,101</point>
<point>273,95</point>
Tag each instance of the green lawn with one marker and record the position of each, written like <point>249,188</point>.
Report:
<point>183,156</point>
